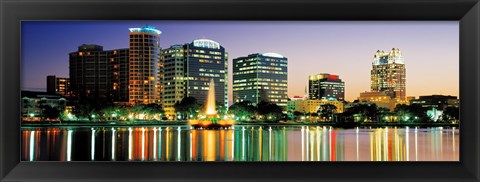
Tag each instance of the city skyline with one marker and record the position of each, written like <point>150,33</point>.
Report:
<point>430,51</point>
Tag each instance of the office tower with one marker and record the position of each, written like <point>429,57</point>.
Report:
<point>144,66</point>
<point>188,69</point>
<point>206,60</point>
<point>326,86</point>
<point>58,85</point>
<point>95,73</point>
<point>388,74</point>
<point>260,77</point>
<point>174,88</point>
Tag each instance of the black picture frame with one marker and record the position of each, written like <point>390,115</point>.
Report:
<point>12,12</point>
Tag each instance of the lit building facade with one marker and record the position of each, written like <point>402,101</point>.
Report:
<point>326,86</point>
<point>95,73</point>
<point>58,85</point>
<point>33,104</point>
<point>144,66</point>
<point>312,106</point>
<point>174,88</point>
<point>261,77</point>
<point>437,101</point>
<point>388,74</point>
<point>293,104</point>
<point>187,71</point>
<point>381,99</point>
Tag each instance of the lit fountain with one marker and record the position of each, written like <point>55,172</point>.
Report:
<point>211,120</point>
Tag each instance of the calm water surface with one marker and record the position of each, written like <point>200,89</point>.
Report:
<point>243,143</point>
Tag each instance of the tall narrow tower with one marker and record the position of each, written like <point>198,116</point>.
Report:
<point>388,74</point>
<point>144,65</point>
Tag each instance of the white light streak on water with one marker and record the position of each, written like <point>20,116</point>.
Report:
<point>178,143</point>
<point>130,143</point>
<point>243,143</point>
<point>92,147</point>
<point>32,145</point>
<point>113,143</point>
<point>69,145</point>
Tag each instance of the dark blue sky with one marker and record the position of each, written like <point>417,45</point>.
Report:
<point>431,49</point>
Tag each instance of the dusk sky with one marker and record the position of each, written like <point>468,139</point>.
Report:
<point>346,48</point>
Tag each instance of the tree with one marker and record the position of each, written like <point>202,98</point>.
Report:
<point>403,112</point>
<point>110,113</point>
<point>86,107</point>
<point>242,110</point>
<point>371,111</point>
<point>419,113</point>
<point>50,112</point>
<point>153,109</point>
<point>188,106</point>
<point>451,113</point>
<point>221,109</point>
<point>361,112</point>
<point>269,111</point>
<point>327,110</point>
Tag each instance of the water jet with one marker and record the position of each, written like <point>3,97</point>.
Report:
<point>211,120</point>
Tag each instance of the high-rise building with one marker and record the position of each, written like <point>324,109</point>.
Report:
<point>144,66</point>
<point>58,85</point>
<point>261,77</point>
<point>95,73</point>
<point>388,74</point>
<point>188,69</point>
<point>326,86</point>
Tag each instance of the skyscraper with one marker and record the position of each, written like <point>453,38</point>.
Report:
<point>95,73</point>
<point>260,77</point>
<point>388,74</point>
<point>326,86</point>
<point>188,69</point>
<point>144,65</point>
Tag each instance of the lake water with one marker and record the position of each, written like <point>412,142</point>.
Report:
<point>243,143</point>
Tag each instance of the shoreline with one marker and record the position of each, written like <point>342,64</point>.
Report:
<point>184,123</point>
